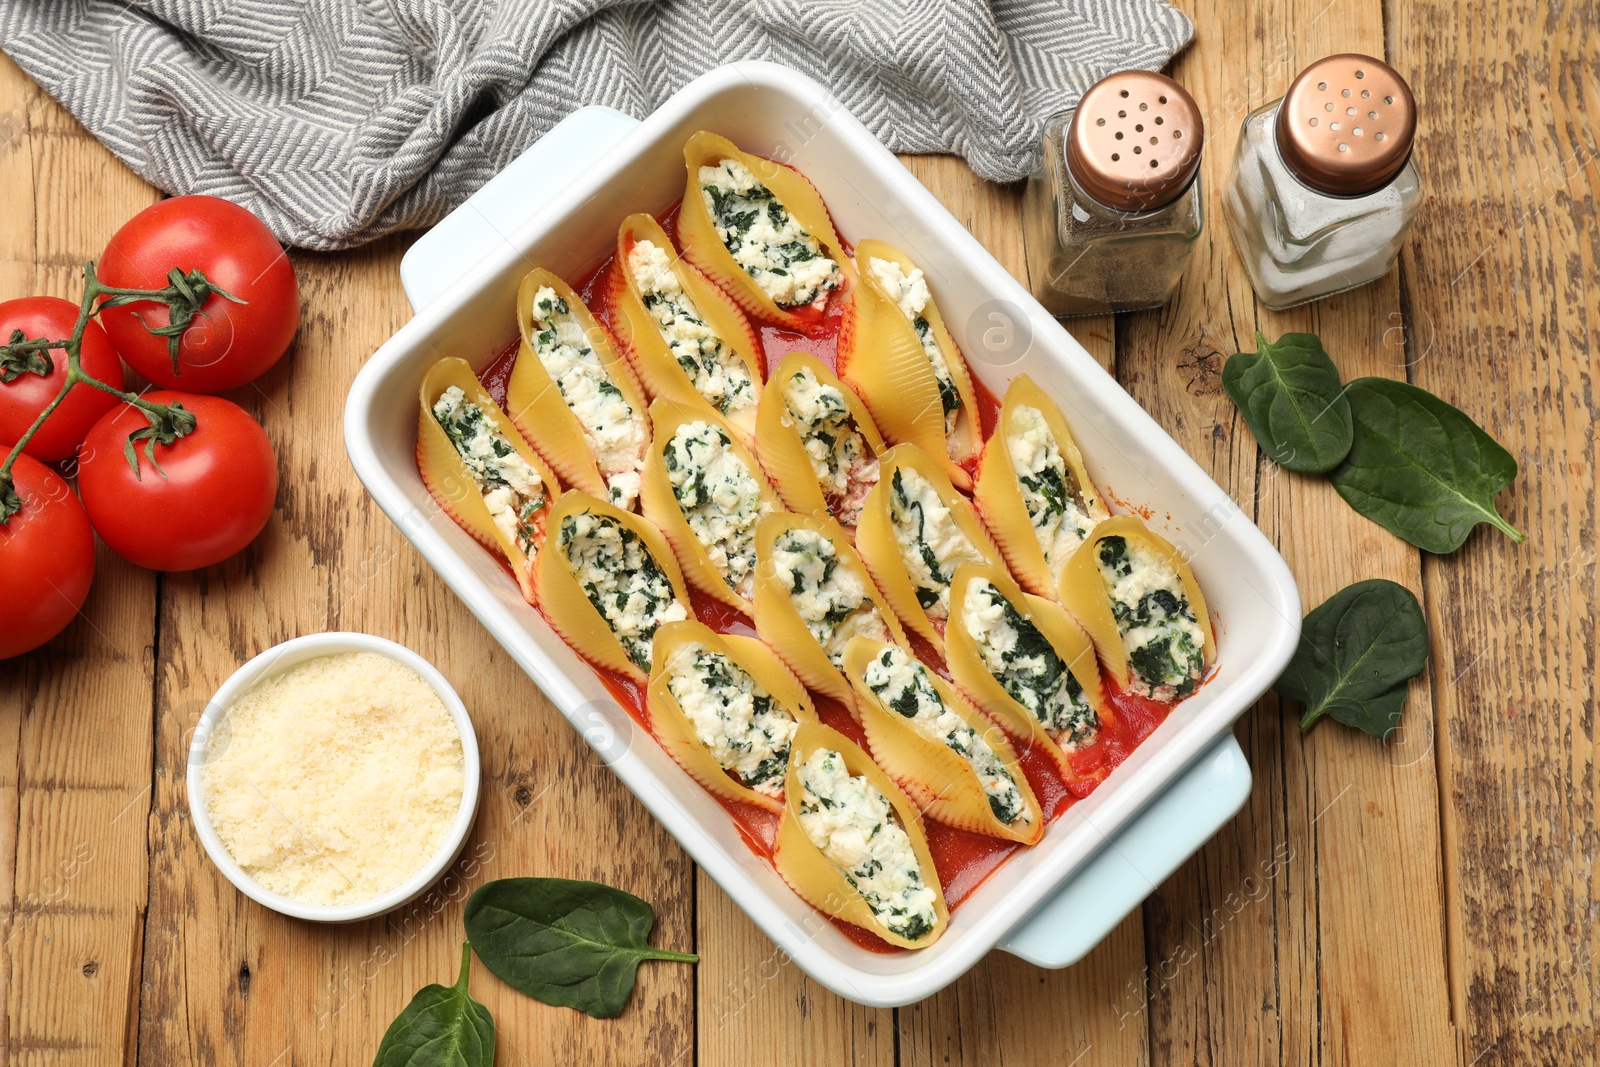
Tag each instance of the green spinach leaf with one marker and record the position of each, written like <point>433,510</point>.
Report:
<point>1357,652</point>
<point>441,1027</point>
<point>571,943</point>
<point>1289,393</point>
<point>1421,468</point>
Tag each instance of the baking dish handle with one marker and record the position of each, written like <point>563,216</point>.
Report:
<point>510,198</point>
<point>1148,848</point>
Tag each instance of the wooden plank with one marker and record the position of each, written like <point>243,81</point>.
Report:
<point>75,718</point>
<point>1309,930</point>
<point>228,981</point>
<point>1501,284</point>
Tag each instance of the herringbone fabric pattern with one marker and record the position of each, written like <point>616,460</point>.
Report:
<point>338,121</point>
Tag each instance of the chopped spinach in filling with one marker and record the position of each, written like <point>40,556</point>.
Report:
<point>746,731</point>
<point>785,261</point>
<point>719,497</point>
<point>911,296</point>
<point>845,468</point>
<point>714,368</point>
<point>856,828</point>
<point>1027,666</point>
<point>622,580</point>
<point>511,489</point>
<point>906,688</point>
<point>1163,640</point>
<point>932,546</point>
<point>1058,508</point>
<point>831,600</point>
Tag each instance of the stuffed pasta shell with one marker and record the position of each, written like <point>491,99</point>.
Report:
<point>1142,608</point>
<point>895,352</point>
<point>761,231</point>
<point>1024,661</point>
<point>481,471</point>
<point>852,844</point>
<point>915,531</point>
<point>706,493</point>
<point>954,763</point>
<point>573,397</point>
<point>726,709</point>
<point>686,339</point>
<point>1033,490</point>
<point>812,595</point>
<point>817,440</point>
<point>607,581</point>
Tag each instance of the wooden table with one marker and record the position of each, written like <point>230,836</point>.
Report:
<point>1430,900</point>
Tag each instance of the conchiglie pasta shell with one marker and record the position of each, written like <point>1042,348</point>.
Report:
<point>676,732</point>
<point>880,544</point>
<point>998,495</point>
<point>813,876</point>
<point>882,358</point>
<point>779,623</point>
<point>942,783</point>
<point>782,450</point>
<point>1083,593</point>
<point>535,403</point>
<point>566,606</point>
<point>970,674</point>
<point>705,249</point>
<point>640,337</point>
<point>660,504</point>
<point>452,485</point>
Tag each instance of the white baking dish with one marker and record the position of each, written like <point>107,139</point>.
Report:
<point>1049,904</point>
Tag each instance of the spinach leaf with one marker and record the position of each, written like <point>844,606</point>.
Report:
<point>570,943</point>
<point>1357,652</point>
<point>1421,468</point>
<point>1289,394</point>
<point>441,1027</point>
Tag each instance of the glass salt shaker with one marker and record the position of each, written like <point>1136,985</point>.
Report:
<point>1113,204</point>
<point>1323,188</point>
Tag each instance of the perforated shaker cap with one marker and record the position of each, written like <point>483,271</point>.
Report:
<point>1135,141</point>
<point>1346,124</point>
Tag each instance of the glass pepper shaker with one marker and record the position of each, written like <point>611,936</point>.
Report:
<point>1323,188</point>
<point>1113,205</point>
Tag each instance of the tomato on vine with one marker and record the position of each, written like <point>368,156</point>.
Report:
<point>46,558</point>
<point>29,382</point>
<point>178,502</point>
<point>223,340</point>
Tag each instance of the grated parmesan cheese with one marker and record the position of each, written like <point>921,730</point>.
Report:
<point>334,782</point>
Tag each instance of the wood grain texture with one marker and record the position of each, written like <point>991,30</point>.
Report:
<point>1428,900</point>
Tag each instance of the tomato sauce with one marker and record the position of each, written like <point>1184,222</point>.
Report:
<point>963,859</point>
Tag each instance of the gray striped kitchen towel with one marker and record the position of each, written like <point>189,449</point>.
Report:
<point>338,121</point>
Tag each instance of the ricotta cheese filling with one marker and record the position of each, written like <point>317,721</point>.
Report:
<point>511,489</point>
<point>1162,637</point>
<point>1027,667</point>
<point>720,499</point>
<point>713,367</point>
<point>831,600</point>
<point>785,261</point>
<point>746,731</point>
<point>911,296</point>
<point>621,579</point>
<point>906,688</point>
<point>1056,503</point>
<point>616,433</point>
<point>931,545</point>
<point>853,824</point>
<point>845,468</point>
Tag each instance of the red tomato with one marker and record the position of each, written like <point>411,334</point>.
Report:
<point>46,559</point>
<point>22,400</point>
<point>213,499</point>
<point>226,344</point>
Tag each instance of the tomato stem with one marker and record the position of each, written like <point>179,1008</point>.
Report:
<point>184,294</point>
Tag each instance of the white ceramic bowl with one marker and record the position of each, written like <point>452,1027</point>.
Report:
<point>275,661</point>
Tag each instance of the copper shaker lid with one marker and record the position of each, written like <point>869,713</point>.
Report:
<point>1135,140</point>
<point>1346,124</point>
